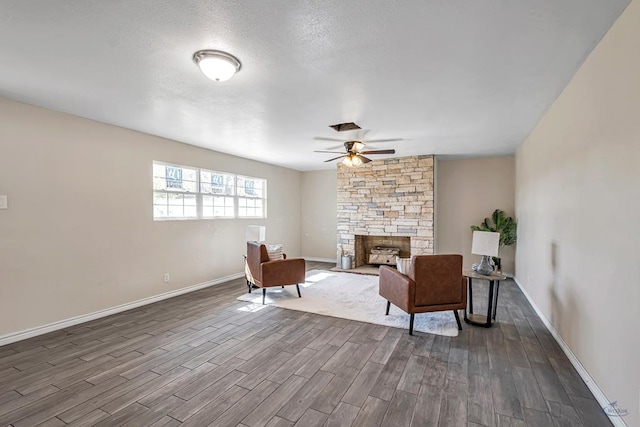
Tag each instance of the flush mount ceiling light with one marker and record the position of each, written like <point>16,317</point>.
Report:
<point>217,65</point>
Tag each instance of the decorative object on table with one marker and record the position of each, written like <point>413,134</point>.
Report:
<point>434,283</point>
<point>265,273</point>
<point>485,243</point>
<point>350,296</point>
<point>256,233</point>
<point>503,224</point>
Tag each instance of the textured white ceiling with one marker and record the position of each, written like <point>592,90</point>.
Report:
<point>463,77</point>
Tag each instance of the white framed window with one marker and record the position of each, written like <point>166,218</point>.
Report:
<point>175,191</point>
<point>218,191</point>
<point>251,194</point>
<point>182,192</point>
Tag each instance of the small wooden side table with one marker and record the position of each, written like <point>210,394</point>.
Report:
<point>494,281</point>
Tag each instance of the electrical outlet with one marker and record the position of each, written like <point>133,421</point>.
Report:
<point>3,202</point>
<point>166,278</point>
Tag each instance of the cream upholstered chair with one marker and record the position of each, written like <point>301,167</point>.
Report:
<point>433,283</point>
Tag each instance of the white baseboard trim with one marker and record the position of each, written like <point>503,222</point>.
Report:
<point>310,258</point>
<point>597,392</point>
<point>40,330</point>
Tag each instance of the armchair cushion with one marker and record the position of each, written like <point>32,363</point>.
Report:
<point>275,252</point>
<point>403,264</point>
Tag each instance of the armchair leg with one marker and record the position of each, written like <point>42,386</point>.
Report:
<point>411,324</point>
<point>298,289</point>
<point>249,286</point>
<point>455,313</point>
<point>388,306</point>
<point>264,294</point>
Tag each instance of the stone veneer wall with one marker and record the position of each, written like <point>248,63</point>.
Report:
<point>392,197</point>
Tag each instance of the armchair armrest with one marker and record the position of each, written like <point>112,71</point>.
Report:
<point>283,272</point>
<point>397,288</point>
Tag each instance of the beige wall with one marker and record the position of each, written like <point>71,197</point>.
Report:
<point>318,211</point>
<point>578,207</point>
<point>468,191</point>
<point>79,234</point>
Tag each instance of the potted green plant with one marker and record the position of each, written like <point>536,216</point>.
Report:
<point>503,224</point>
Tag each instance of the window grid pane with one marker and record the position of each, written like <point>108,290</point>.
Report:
<point>250,187</point>
<point>216,183</point>
<point>174,205</point>
<point>250,208</point>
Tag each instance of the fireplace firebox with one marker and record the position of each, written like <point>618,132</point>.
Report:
<point>377,250</point>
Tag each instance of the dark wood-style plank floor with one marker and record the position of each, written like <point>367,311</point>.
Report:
<point>205,358</point>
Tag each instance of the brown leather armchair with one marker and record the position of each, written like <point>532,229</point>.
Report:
<point>264,273</point>
<point>433,283</point>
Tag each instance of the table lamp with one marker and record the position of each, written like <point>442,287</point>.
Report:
<point>485,243</point>
<point>256,233</point>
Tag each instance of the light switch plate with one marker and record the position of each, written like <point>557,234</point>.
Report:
<point>3,202</point>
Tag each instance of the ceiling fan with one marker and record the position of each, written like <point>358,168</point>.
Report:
<point>354,154</point>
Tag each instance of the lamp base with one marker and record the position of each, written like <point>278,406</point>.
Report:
<point>485,268</point>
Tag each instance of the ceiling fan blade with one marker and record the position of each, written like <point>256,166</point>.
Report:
<point>379,152</point>
<point>336,152</point>
<point>335,158</point>
<point>384,140</point>
<point>321,138</point>
<point>363,158</point>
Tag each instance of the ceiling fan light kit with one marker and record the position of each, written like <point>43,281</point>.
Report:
<point>355,146</point>
<point>351,161</point>
<point>216,64</point>
<point>353,154</point>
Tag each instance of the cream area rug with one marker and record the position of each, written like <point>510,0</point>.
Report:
<point>354,297</point>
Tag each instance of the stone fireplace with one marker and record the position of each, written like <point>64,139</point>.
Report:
<point>386,203</point>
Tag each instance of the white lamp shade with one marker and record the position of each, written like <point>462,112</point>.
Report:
<point>256,233</point>
<point>485,243</point>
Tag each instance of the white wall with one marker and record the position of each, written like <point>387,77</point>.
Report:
<point>578,207</point>
<point>467,191</point>
<point>319,214</point>
<point>79,234</point>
